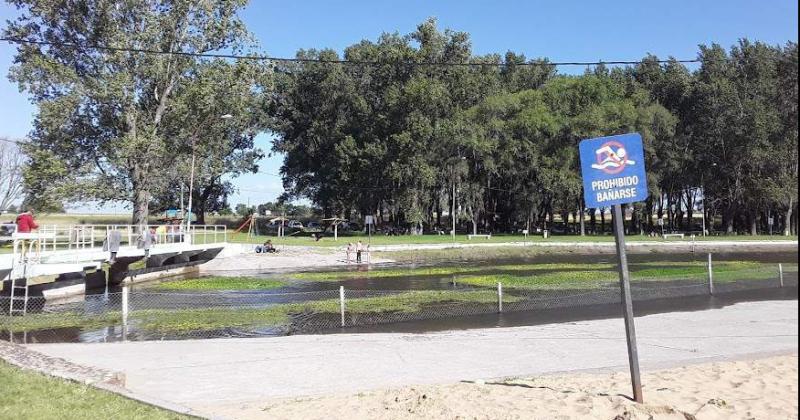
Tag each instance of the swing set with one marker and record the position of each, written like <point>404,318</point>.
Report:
<point>251,223</point>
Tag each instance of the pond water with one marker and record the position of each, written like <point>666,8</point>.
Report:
<point>652,297</point>
<point>494,266</point>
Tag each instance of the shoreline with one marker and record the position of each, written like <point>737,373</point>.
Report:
<point>291,258</point>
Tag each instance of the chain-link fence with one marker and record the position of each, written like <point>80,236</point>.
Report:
<point>148,315</point>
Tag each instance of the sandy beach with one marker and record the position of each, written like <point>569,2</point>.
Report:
<point>756,389</point>
<point>288,258</point>
<point>241,258</point>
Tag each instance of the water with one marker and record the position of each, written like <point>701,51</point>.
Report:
<point>573,305</point>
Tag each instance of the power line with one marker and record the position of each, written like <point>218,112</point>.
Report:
<point>257,57</point>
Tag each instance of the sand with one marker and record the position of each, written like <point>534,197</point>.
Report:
<point>289,258</point>
<point>755,389</point>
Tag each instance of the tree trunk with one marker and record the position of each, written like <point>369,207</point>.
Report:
<point>753,223</point>
<point>593,220</point>
<point>602,221</point>
<point>729,218</point>
<point>141,197</point>
<point>690,198</point>
<point>787,229</point>
<point>582,217</point>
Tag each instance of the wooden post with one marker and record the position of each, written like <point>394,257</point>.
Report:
<point>124,312</point>
<point>341,303</point>
<point>710,275</point>
<point>500,297</point>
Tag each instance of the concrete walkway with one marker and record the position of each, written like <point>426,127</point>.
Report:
<point>207,375</point>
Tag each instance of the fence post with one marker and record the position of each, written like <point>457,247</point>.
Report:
<point>500,297</point>
<point>341,303</point>
<point>780,273</point>
<point>124,312</point>
<point>710,275</point>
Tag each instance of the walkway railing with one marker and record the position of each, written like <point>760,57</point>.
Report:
<point>55,237</point>
<point>58,238</point>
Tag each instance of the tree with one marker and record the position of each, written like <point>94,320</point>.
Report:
<point>785,157</point>
<point>217,112</point>
<point>499,141</point>
<point>102,112</point>
<point>11,180</point>
<point>244,210</point>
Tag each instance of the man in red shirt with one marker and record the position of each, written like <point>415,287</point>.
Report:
<point>25,222</point>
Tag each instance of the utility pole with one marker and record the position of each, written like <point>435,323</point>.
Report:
<point>703,200</point>
<point>183,210</point>
<point>191,191</point>
<point>453,212</point>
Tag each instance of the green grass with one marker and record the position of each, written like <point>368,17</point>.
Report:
<point>41,321</point>
<point>220,283</point>
<point>649,269</point>
<point>563,275</point>
<point>182,321</point>
<point>437,271</point>
<point>31,395</point>
<point>187,320</point>
<point>565,280</point>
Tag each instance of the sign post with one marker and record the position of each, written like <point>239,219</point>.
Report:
<point>369,220</point>
<point>614,174</point>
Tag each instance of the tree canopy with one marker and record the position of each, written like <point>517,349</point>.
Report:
<point>113,124</point>
<point>395,139</point>
<point>408,128</point>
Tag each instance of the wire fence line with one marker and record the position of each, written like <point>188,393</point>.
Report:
<point>152,315</point>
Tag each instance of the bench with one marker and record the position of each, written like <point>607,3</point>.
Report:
<point>672,235</point>
<point>487,236</point>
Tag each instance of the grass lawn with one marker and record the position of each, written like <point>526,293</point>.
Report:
<point>206,319</point>
<point>220,283</point>
<point>51,320</point>
<point>163,321</point>
<point>565,271</point>
<point>565,280</point>
<point>31,395</point>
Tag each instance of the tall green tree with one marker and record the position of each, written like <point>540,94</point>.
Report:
<point>216,114</point>
<point>102,112</point>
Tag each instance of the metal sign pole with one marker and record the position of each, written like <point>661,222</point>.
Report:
<point>625,286</point>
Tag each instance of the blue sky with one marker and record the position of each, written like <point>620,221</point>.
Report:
<point>561,31</point>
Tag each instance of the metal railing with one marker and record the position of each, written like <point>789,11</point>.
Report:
<point>55,238</point>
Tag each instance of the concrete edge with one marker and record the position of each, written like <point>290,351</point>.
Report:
<point>102,379</point>
<point>151,401</point>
